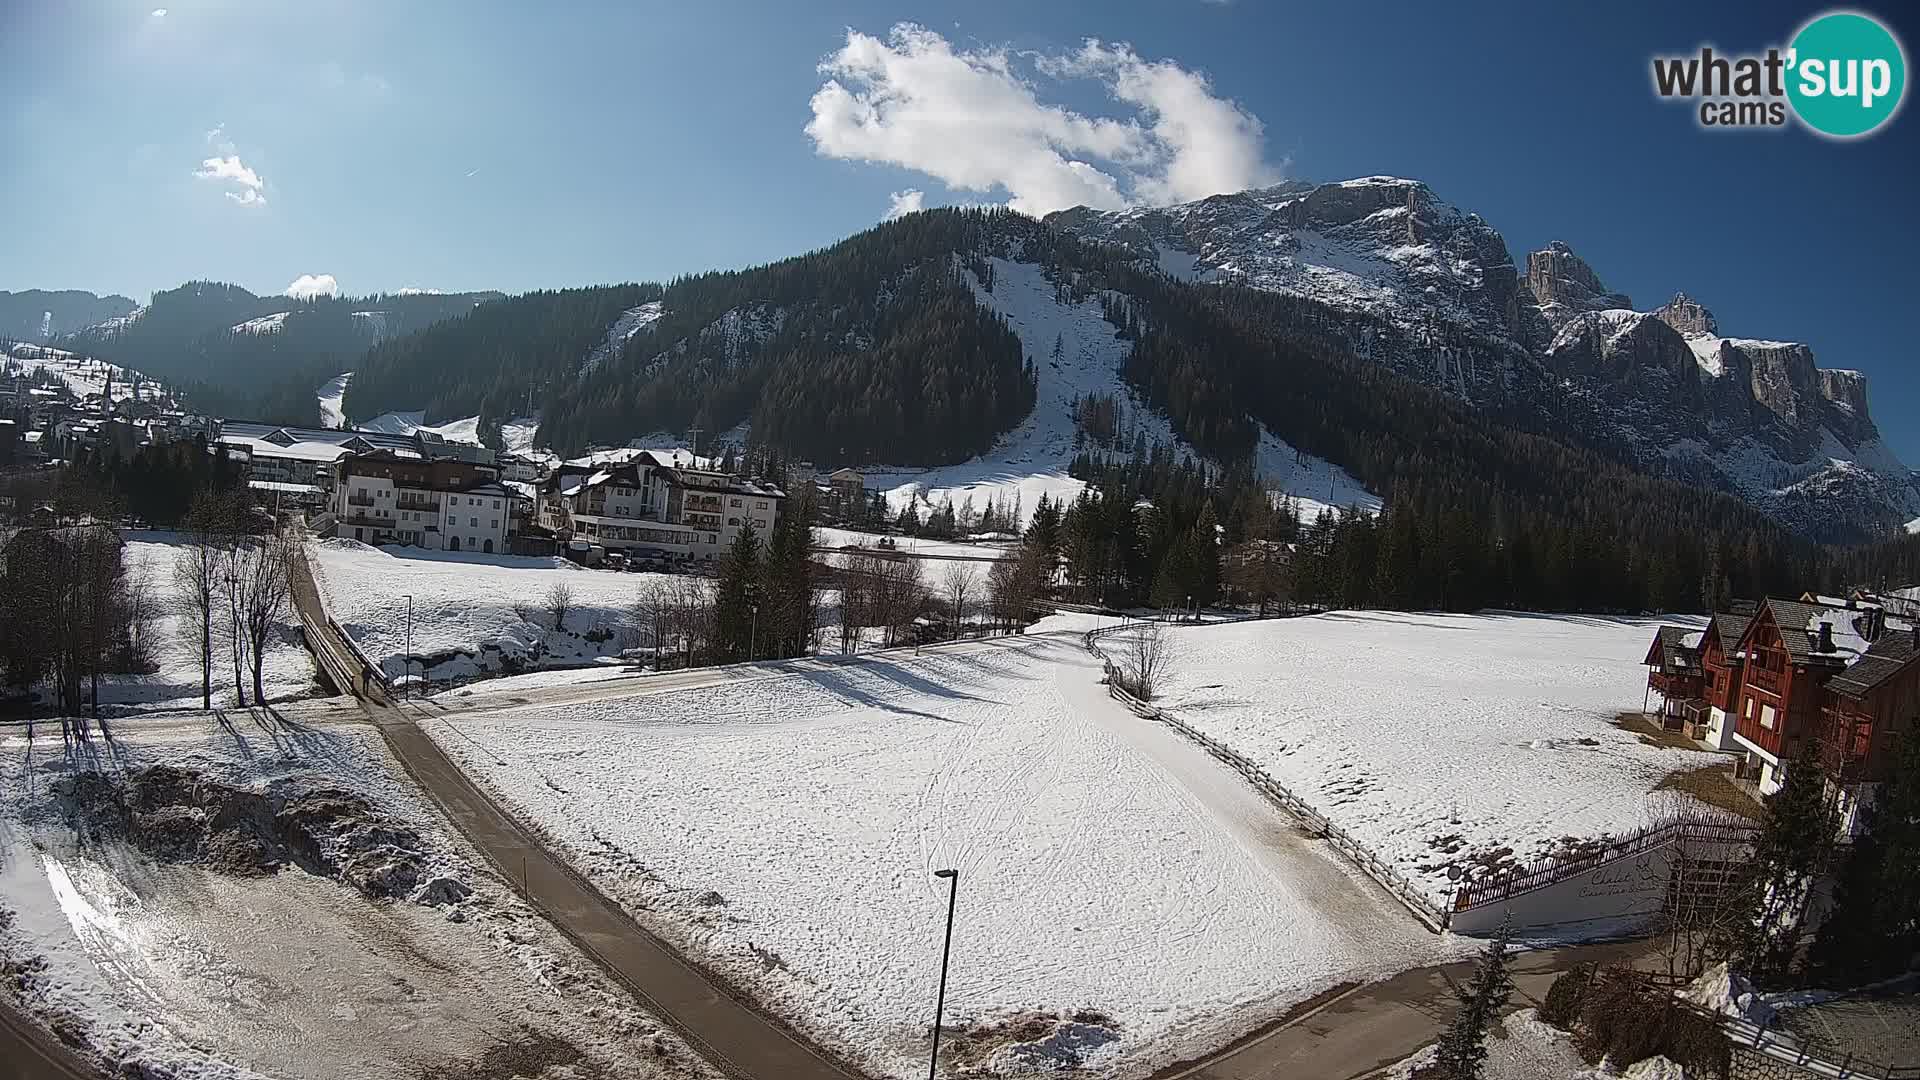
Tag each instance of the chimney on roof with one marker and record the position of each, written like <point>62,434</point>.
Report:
<point>1825,642</point>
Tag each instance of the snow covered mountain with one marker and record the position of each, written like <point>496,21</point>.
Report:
<point>1415,282</point>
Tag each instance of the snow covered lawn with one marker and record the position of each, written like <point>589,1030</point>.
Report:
<point>784,830</point>
<point>165,954</point>
<point>472,614</point>
<point>1434,739</point>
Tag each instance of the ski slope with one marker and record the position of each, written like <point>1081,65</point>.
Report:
<point>1439,741</point>
<point>331,394</point>
<point>784,828</point>
<point>1032,459</point>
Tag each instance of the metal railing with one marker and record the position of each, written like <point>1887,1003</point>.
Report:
<point>1432,915</point>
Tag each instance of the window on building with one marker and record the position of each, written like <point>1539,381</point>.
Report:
<point>473,523</point>
<point>733,502</point>
<point>1767,715</point>
<point>496,523</point>
<point>496,504</point>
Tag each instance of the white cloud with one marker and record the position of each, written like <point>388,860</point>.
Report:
<point>902,203</point>
<point>159,13</point>
<point>308,286</point>
<point>974,121</point>
<point>244,185</point>
<point>229,168</point>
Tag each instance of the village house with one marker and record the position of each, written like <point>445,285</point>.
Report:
<point>1675,673</point>
<point>652,510</point>
<point>1794,650</point>
<point>441,504</point>
<point>1838,670</point>
<point>1722,668</point>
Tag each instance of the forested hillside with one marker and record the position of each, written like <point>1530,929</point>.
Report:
<point>236,354</point>
<point>874,349</point>
<point>488,362</point>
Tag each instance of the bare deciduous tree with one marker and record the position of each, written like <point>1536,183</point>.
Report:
<point>899,596</point>
<point>559,601</point>
<point>1148,655</point>
<point>268,600</point>
<point>958,585</point>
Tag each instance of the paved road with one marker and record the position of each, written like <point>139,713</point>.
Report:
<point>1361,1032</point>
<point>728,1031</point>
<point>30,1052</point>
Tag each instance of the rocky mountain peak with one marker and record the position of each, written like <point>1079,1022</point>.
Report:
<point>1688,316</point>
<point>1564,285</point>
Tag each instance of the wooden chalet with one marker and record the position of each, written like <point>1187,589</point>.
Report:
<point>1792,649</point>
<point>1674,672</point>
<point>1866,710</point>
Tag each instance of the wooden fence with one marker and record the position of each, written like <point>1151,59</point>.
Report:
<point>1430,914</point>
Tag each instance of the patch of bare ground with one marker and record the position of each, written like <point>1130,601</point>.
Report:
<point>1054,1043</point>
<point>1652,733</point>
<point>1715,786</point>
<point>525,1056</point>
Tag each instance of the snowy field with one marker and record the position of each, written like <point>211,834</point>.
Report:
<point>1436,740</point>
<point>472,614</point>
<point>1118,888</point>
<point>164,952</point>
<point>175,684</point>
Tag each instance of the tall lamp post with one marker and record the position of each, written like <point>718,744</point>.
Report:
<point>753,634</point>
<point>406,692</point>
<point>940,1002</point>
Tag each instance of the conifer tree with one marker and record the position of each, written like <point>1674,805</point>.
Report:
<point>1790,852</point>
<point>1874,928</point>
<point>1463,1049</point>
<point>737,592</point>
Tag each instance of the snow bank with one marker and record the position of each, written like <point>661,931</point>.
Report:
<point>473,614</point>
<point>1729,994</point>
<point>1442,742</point>
<point>784,830</point>
<point>1523,1047</point>
<point>174,967</point>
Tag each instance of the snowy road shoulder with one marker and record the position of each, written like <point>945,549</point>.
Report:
<point>1124,901</point>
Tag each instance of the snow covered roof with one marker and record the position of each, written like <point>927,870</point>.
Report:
<point>1890,654</point>
<point>298,451</point>
<point>284,488</point>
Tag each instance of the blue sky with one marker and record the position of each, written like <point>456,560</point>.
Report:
<point>484,146</point>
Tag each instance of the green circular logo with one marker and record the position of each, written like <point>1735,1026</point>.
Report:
<point>1846,74</point>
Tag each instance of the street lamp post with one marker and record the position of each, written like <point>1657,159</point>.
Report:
<point>940,1002</point>
<point>407,667</point>
<point>753,634</point>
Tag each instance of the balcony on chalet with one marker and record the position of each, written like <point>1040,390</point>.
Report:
<point>359,500</point>
<point>1773,682</point>
<point>1684,684</point>
<point>407,500</point>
